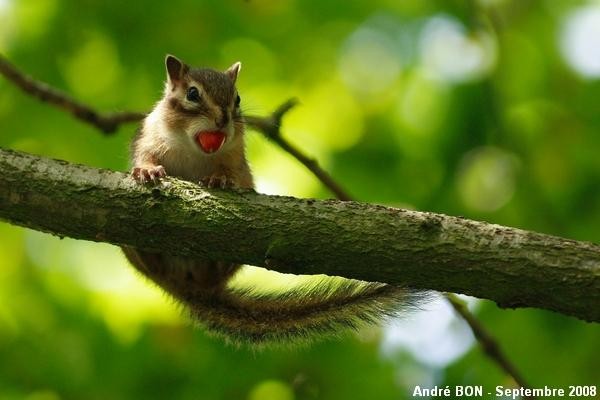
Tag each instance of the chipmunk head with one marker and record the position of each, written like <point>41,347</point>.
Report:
<point>203,104</point>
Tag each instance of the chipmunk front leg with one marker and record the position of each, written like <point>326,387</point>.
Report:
<point>148,173</point>
<point>220,179</point>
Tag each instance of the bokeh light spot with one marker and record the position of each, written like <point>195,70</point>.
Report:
<point>369,62</point>
<point>432,337</point>
<point>486,178</point>
<point>271,390</point>
<point>32,17</point>
<point>580,41</point>
<point>6,25</point>
<point>452,55</point>
<point>94,69</point>
<point>329,117</point>
<point>4,6</point>
<point>421,105</point>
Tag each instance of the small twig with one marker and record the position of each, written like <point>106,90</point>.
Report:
<point>107,123</point>
<point>270,128</point>
<point>487,342</point>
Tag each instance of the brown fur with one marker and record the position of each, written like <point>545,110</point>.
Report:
<point>165,145</point>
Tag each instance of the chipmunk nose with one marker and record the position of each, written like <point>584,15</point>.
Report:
<point>223,120</point>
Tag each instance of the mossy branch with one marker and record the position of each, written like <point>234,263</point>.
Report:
<point>513,267</point>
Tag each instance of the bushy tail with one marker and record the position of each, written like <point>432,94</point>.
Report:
<point>302,314</point>
<point>245,316</point>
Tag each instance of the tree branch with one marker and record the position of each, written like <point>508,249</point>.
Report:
<point>488,343</point>
<point>513,267</point>
<point>107,123</point>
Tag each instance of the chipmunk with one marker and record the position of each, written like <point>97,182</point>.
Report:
<point>196,133</point>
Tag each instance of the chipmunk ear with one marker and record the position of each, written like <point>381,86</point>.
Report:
<point>175,68</point>
<point>233,71</point>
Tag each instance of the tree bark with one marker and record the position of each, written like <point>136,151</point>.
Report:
<point>512,267</point>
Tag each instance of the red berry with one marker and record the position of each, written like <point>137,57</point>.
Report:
<point>210,141</point>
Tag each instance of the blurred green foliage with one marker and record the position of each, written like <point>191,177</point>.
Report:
<point>482,108</point>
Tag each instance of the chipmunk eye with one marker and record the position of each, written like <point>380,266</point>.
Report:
<point>193,94</point>
<point>237,101</point>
